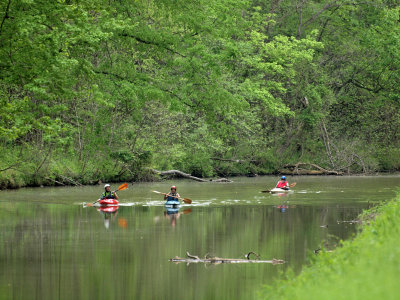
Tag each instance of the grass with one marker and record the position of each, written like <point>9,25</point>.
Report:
<point>367,267</point>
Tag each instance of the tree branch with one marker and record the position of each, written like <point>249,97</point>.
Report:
<point>10,167</point>
<point>295,169</point>
<point>359,85</point>
<point>5,16</point>
<point>235,160</point>
<point>151,43</point>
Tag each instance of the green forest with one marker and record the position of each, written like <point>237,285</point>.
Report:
<point>95,90</point>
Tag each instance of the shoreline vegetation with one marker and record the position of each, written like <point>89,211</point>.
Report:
<point>30,175</point>
<point>62,171</point>
<point>366,267</point>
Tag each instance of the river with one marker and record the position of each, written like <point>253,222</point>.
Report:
<point>52,247</point>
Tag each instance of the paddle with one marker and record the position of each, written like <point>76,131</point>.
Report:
<point>186,200</point>
<point>122,187</point>
<point>290,185</point>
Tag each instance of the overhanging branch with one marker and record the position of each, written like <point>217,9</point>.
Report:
<point>151,43</point>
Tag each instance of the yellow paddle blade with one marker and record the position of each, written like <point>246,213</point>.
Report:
<point>123,186</point>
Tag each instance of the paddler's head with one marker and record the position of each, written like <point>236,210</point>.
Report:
<point>283,178</point>
<point>173,189</point>
<point>107,187</point>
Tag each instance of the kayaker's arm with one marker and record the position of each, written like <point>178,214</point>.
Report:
<point>115,195</point>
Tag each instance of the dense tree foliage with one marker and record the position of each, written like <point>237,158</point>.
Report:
<point>104,90</point>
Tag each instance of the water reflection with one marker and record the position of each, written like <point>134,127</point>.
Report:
<point>283,208</point>
<point>172,213</point>
<point>59,249</point>
<point>109,213</point>
<point>285,194</point>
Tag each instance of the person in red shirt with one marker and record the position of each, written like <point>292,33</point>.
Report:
<point>283,184</point>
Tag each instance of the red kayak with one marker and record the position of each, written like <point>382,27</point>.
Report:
<point>108,202</point>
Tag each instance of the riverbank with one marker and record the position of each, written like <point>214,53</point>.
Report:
<point>69,173</point>
<point>31,166</point>
<point>366,267</point>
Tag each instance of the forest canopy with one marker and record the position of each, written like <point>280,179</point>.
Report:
<point>95,90</point>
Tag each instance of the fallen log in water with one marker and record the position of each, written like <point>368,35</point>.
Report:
<point>185,175</point>
<point>219,260</point>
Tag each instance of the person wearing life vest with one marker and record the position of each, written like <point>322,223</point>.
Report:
<point>172,195</point>
<point>283,184</point>
<point>108,194</point>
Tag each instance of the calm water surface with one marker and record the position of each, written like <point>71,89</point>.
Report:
<point>54,248</point>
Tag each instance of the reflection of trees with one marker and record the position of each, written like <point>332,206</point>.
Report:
<point>274,233</point>
<point>55,244</point>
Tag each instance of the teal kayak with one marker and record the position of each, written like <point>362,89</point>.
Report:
<point>172,203</point>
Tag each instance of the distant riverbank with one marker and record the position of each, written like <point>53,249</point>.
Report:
<point>364,268</point>
<point>54,174</point>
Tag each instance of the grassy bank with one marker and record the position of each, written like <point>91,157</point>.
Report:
<point>367,267</point>
<point>31,168</point>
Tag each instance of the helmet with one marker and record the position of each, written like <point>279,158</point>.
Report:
<point>173,187</point>
<point>283,177</point>
<point>106,185</point>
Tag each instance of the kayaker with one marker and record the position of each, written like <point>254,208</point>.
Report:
<point>173,195</point>
<point>108,194</point>
<point>283,184</point>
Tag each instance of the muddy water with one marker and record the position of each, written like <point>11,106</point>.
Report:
<point>51,247</point>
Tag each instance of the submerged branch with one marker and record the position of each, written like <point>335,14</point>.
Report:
<point>218,260</point>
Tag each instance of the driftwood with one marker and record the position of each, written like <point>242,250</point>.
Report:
<point>297,169</point>
<point>185,175</point>
<point>218,260</point>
